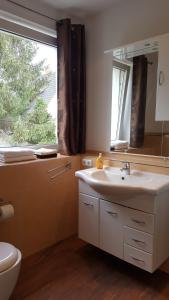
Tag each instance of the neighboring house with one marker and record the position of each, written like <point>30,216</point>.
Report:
<point>49,96</point>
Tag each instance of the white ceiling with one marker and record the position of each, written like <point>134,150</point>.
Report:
<point>80,7</point>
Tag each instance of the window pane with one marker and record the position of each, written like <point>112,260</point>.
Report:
<point>118,90</point>
<point>115,108</point>
<point>28,98</point>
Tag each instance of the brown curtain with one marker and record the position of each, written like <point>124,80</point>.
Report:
<point>138,103</point>
<point>71,87</point>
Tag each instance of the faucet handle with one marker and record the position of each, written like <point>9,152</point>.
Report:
<point>126,167</point>
<point>126,164</point>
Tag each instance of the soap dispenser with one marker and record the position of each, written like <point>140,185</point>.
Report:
<point>99,161</point>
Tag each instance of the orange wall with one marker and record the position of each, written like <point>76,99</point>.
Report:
<point>45,211</point>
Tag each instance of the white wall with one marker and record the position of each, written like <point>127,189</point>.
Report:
<point>125,22</point>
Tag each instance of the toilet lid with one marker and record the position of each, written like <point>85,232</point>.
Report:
<point>8,256</point>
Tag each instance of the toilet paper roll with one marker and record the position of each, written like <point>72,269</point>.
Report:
<point>6,212</point>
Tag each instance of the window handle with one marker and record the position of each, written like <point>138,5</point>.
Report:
<point>161,78</point>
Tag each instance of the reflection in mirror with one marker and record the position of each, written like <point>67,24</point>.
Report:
<point>134,84</point>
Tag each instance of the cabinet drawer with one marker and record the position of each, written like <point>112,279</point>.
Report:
<point>138,258</point>
<point>138,239</point>
<point>139,220</point>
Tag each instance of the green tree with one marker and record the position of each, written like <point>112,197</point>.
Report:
<point>21,83</point>
<point>37,127</point>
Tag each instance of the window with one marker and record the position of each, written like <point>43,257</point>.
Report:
<point>28,92</point>
<point>119,91</point>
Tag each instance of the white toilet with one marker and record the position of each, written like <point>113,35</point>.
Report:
<point>10,262</point>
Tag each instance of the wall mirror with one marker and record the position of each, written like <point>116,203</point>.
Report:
<point>140,97</point>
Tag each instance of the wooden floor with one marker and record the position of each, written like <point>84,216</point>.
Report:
<point>73,270</point>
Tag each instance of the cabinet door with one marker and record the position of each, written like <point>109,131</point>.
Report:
<point>162,98</point>
<point>89,219</point>
<point>111,228</point>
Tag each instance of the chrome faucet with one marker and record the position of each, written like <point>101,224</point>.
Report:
<point>126,168</point>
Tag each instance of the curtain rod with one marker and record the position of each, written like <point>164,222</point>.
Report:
<point>30,9</point>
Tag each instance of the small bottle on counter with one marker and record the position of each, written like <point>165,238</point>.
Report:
<point>99,161</point>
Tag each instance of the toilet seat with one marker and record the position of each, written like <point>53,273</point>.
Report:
<point>8,256</point>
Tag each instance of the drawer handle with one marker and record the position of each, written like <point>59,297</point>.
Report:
<point>138,242</point>
<point>139,222</point>
<point>88,204</point>
<point>113,214</point>
<point>138,260</point>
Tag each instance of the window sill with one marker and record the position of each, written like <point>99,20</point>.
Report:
<point>34,161</point>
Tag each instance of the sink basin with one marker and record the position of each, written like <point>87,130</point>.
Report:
<point>111,181</point>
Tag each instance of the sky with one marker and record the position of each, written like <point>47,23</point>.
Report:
<point>49,53</point>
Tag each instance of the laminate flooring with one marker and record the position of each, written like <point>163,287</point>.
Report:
<point>74,270</point>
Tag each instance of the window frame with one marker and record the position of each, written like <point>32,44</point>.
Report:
<point>125,67</point>
<point>26,28</point>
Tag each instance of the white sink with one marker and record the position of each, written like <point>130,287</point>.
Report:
<point>111,181</point>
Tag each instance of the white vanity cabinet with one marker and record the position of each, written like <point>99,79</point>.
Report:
<point>162,97</point>
<point>138,235</point>
<point>158,44</point>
